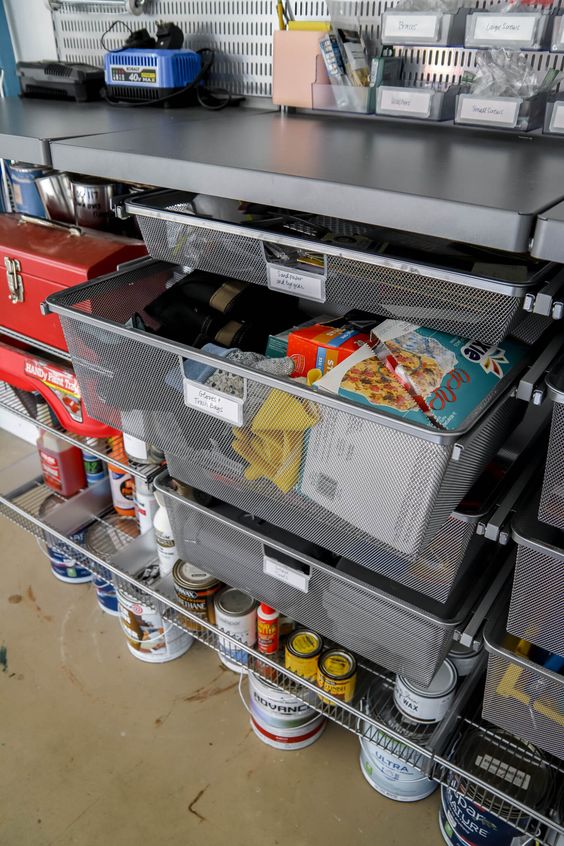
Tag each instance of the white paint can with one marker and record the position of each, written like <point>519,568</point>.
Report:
<point>277,707</point>
<point>427,704</point>
<point>235,614</point>
<point>391,776</point>
<point>150,638</point>
<point>288,738</point>
<point>464,658</point>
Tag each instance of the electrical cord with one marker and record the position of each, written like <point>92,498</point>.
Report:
<point>109,29</point>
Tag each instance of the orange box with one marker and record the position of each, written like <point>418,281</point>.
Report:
<point>322,347</point>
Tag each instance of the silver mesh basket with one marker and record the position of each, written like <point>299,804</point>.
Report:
<point>389,487</point>
<point>401,631</point>
<point>521,696</point>
<point>551,509</point>
<point>440,298</point>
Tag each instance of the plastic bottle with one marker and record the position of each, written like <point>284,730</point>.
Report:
<point>122,488</point>
<point>146,505</point>
<point>61,464</point>
<point>268,637</point>
<point>166,546</point>
<point>95,468</point>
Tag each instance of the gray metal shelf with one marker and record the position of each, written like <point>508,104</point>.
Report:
<point>480,189</point>
<point>548,240</point>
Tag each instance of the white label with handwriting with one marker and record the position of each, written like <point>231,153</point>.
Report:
<point>215,404</point>
<point>311,286</point>
<point>495,110</point>
<point>517,27</point>
<point>411,27</point>
<point>404,101</point>
<point>285,574</point>
<point>557,118</point>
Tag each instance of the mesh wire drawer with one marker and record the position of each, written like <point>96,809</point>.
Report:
<point>521,696</point>
<point>438,297</point>
<point>551,508</point>
<point>536,612</point>
<point>390,488</point>
<point>401,631</point>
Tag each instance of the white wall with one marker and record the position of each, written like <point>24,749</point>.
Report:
<point>31,28</point>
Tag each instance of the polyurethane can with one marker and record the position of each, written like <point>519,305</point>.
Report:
<point>302,652</point>
<point>427,704</point>
<point>336,674</point>
<point>195,594</point>
<point>236,615</point>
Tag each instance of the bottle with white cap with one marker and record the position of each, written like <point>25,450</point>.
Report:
<point>166,546</point>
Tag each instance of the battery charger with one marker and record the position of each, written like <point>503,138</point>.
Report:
<point>145,75</point>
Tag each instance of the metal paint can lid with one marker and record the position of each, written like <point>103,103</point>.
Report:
<point>304,643</point>
<point>181,575</point>
<point>442,683</point>
<point>234,603</point>
<point>337,664</point>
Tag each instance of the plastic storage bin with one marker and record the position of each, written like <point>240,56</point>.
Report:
<point>520,695</point>
<point>514,30</point>
<point>557,36</point>
<point>554,115</point>
<point>440,29</point>
<point>360,483</point>
<point>340,98</point>
<point>519,113</point>
<point>368,614</point>
<point>551,509</point>
<point>412,102</point>
<point>441,297</point>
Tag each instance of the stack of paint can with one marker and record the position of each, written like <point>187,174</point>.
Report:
<point>281,720</point>
<point>391,768</point>
<point>66,565</point>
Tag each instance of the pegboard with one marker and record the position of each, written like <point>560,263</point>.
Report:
<point>240,31</point>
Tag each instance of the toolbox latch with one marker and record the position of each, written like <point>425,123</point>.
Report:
<point>14,277</point>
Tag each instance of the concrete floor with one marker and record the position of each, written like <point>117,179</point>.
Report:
<point>97,748</point>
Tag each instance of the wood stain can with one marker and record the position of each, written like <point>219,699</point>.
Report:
<point>196,592</point>
<point>301,655</point>
<point>336,674</point>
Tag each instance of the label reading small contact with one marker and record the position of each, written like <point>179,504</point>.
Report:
<point>493,110</point>
<point>285,574</point>
<point>310,286</point>
<point>215,404</point>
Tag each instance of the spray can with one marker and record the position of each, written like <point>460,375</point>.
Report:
<point>146,505</point>
<point>166,546</point>
<point>268,637</point>
<point>122,489</point>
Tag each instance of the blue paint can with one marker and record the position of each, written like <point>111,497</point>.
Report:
<point>106,595</point>
<point>464,823</point>
<point>24,190</point>
<point>65,563</point>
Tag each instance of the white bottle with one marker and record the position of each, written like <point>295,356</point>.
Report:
<point>146,505</point>
<point>166,547</point>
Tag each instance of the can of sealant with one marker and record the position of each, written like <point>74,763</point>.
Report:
<point>235,614</point>
<point>195,593</point>
<point>427,704</point>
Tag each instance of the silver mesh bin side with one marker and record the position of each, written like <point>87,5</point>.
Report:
<point>551,508</point>
<point>350,612</point>
<point>537,601</point>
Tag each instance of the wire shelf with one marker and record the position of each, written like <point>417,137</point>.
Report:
<point>10,401</point>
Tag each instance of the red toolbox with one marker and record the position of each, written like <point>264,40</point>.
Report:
<point>39,258</point>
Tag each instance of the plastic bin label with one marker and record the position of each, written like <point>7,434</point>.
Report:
<point>493,110</point>
<point>274,568</point>
<point>494,28</point>
<point>213,403</point>
<point>557,118</point>
<point>408,27</point>
<point>311,286</point>
<point>404,101</point>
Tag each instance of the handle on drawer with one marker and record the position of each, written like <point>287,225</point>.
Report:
<point>208,400</point>
<point>531,387</point>
<point>548,300</point>
<point>285,569</point>
<point>125,205</point>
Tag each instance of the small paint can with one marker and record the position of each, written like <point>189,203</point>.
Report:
<point>427,704</point>
<point>123,491</point>
<point>288,738</point>
<point>27,199</point>
<point>106,594</point>
<point>65,565</point>
<point>301,655</point>
<point>150,638</point>
<point>464,823</point>
<point>275,706</point>
<point>196,594</point>
<point>391,776</point>
<point>336,674</point>
<point>235,614</point>
<point>464,658</point>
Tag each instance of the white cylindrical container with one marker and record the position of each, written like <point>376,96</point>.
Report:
<point>427,704</point>
<point>149,637</point>
<point>289,738</point>
<point>106,595</point>
<point>464,658</point>
<point>277,707</point>
<point>146,505</point>
<point>166,547</point>
<point>391,776</point>
<point>140,452</point>
<point>235,614</point>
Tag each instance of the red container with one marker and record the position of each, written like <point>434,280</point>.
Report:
<point>38,259</point>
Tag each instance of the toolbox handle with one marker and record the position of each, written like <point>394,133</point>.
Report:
<point>41,221</point>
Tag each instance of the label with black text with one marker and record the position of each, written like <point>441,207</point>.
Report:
<point>213,403</point>
<point>311,286</point>
<point>285,574</point>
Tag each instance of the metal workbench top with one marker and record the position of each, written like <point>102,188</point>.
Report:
<point>549,234</point>
<point>28,126</point>
<point>480,188</point>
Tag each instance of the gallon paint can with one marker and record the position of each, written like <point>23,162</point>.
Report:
<point>27,199</point>
<point>103,538</point>
<point>150,638</point>
<point>65,566</point>
<point>391,776</point>
<point>235,614</point>
<point>106,595</point>
<point>195,593</point>
<point>277,707</point>
<point>427,704</point>
<point>288,738</point>
<point>464,823</point>
<point>464,658</point>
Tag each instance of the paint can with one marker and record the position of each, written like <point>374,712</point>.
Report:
<point>427,704</point>
<point>65,563</point>
<point>286,739</point>
<point>93,202</point>
<point>235,614</point>
<point>392,776</point>
<point>277,707</point>
<point>336,674</point>
<point>464,823</point>
<point>27,199</point>
<point>103,538</point>
<point>150,638</point>
<point>464,658</point>
<point>140,452</point>
<point>301,655</point>
<point>195,593</point>
<point>106,594</point>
